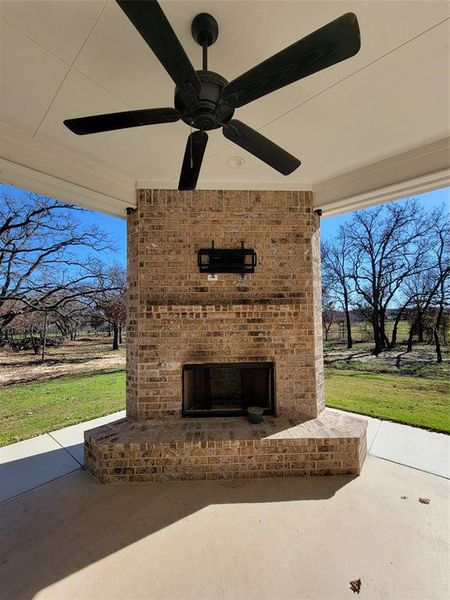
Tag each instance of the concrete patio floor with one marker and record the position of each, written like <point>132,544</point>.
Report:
<point>257,539</point>
<point>64,536</point>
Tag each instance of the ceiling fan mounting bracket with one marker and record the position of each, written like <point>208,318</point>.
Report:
<point>204,29</point>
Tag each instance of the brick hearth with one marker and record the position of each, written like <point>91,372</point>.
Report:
<point>231,448</point>
<point>178,316</point>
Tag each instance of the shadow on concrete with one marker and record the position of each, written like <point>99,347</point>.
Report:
<point>21,475</point>
<point>62,527</point>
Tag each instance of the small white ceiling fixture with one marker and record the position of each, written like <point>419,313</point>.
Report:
<point>234,162</point>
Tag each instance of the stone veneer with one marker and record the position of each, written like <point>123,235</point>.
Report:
<point>177,316</point>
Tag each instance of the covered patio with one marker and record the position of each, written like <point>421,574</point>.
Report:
<point>368,130</point>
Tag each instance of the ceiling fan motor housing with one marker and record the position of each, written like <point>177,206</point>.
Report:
<point>206,112</point>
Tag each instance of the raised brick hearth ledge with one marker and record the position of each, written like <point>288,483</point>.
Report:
<point>215,448</point>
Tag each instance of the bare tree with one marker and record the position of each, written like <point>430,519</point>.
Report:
<point>71,315</point>
<point>337,274</point>
<point>427,293</point>
<point>441,231</point>
<point>328,309</point>
<point>45,256</point>
<point>110,300</point>
<point>390,245</point>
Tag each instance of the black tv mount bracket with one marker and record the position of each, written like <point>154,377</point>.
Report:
<point>227,260</point>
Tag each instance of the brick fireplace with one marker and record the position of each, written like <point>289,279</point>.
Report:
<point>201,348</point>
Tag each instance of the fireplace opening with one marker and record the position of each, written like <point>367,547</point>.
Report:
<point>227,389</point>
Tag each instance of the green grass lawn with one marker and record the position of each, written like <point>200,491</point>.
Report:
<point>29,410</point>
<point>413,400</point>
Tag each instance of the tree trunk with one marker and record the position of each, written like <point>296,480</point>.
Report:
<point>327,331</point>
<point>377,334</point>
<point>383,336</point>
<point>115,337</point>
<point>394,334</point>
<point>109,329</point>
<point>412,330</point>
<point>120,334</point>
<point>398,318</point>
<point>438,346</point>
<point>44,337</point>
<point>348,322</point>
<point>419,329</point>
<point>437,325</point>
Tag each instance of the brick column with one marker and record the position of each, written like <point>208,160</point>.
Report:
<point>177,316</point>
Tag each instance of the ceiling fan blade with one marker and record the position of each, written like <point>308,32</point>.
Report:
<point>192,161</point>
<point>261,147</point>
<point>323,48</point>
<point>150,21</point>
<point>122,120</point>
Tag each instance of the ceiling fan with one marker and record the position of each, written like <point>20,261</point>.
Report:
<point>205,100</point>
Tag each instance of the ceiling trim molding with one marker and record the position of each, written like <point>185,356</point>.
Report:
<point>44,168</point>
<point>144,184</point>
<point>404,189</point>
<point>58,164</point>
<point>42,183</point>
<point>415,171</point>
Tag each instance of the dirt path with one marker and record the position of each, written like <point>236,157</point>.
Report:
<point>87,355</point>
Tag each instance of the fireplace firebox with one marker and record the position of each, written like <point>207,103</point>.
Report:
<point>227,389</point>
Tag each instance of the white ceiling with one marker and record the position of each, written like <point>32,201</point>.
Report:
<point>382,109</point>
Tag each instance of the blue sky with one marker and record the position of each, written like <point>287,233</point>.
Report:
<point>330,225</point>
<point>117,227</point>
